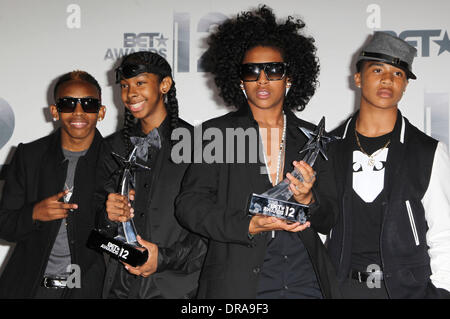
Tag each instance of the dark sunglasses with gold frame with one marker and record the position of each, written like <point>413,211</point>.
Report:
<point>274,71</point>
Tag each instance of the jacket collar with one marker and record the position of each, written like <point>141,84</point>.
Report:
<point>396,153</point>
<point>244,115</point>
<point>294,143</point>
<point>55,146</point>
<point>398,132</point>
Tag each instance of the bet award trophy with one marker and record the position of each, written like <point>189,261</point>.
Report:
<point>124,246</point>
<point>275,201</point>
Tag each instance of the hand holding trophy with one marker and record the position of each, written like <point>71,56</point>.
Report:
<point>275,201</point>
<point>124,246</point>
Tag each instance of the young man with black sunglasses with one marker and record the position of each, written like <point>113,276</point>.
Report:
<point>260,256</point>
<point>274,71</point>
<point>46,203</point>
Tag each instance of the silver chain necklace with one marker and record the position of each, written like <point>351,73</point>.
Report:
<point>280,153</point>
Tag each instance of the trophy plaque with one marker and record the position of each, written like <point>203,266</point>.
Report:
<point>124,246</point>
<point>275,201</point>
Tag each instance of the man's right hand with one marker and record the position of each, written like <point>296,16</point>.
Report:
<point>51,208</point>
<point>119,208</point>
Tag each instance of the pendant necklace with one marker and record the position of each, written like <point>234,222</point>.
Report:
<point>371,161</point>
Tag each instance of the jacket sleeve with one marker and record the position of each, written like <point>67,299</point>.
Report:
<point>324,211</point>
<point>16,221</point>
<point>436,202</point>
<point>199,209</point>
<point>106,182</point>
<point>185,255</point>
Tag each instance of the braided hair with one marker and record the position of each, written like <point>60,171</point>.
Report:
<point>162,69</point>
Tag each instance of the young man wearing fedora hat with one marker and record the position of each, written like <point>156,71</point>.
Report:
<point>392,239</point>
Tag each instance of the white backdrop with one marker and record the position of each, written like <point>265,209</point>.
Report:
<point>43,39</point>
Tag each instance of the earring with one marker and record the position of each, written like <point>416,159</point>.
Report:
<point>288,87</point>
<point>243,90</point>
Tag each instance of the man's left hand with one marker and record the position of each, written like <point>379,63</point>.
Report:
<point>150,265</point>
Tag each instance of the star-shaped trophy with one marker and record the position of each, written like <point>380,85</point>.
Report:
<point>275,201</point>
<point>124,246</point>
<point>126,230</point>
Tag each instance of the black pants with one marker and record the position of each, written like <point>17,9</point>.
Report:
<point>353,289</point>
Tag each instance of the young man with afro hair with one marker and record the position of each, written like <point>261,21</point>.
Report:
<point>266,70</point>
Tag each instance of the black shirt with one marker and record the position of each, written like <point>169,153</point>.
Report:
<point>287,271</point>
<point>367,195</point>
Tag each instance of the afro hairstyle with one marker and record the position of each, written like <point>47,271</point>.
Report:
<point>234,37</point>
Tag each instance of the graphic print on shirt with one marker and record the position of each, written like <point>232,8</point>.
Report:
<point>69,193</point>
<point>368,180</point>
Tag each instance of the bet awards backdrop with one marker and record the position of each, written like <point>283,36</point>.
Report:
<point>43,39</point>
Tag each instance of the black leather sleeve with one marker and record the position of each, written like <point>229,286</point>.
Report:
<point>186,255</point>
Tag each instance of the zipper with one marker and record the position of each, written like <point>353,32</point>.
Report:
<point>386,275</point>
<point>411,221</point>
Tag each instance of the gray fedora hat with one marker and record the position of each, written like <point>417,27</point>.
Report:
<point>390,49</point>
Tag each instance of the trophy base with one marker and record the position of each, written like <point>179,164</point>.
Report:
<point>117,249</point>
<point>289,211</point>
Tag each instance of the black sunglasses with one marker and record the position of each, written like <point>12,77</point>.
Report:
<point>69,104</point>
<point>274,71</point>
